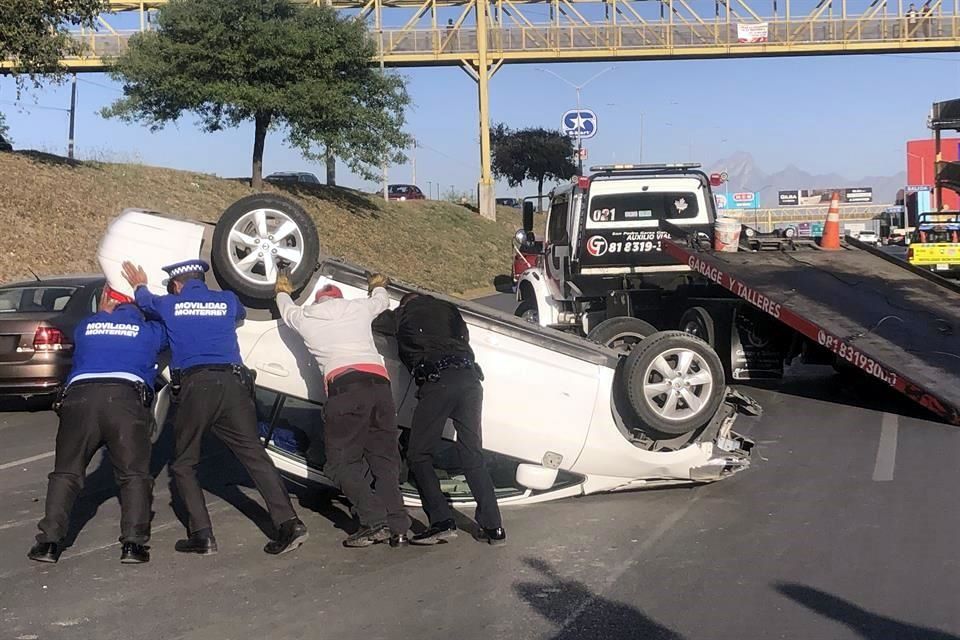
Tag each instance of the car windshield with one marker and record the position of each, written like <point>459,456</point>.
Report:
<point>639,207</point>
<point>38,299</point>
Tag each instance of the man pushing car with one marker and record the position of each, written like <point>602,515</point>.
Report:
<point>360,417</point>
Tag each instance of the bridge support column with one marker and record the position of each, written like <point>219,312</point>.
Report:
<point>486,194</point>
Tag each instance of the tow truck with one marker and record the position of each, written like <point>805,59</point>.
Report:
<point>935,244</point>
<point>776,299</point>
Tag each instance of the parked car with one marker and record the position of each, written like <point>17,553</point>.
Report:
<point>563,428</point>
<point>869,237</point>
<point>5,144</point>
<point>37,320</point>
<point>292,177</point>
<point>509,202</point>
<point>405,192</point>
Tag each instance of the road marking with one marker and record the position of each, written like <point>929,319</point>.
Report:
<point>17,463</point>
<point>665,525</point>
<point>887,449</point>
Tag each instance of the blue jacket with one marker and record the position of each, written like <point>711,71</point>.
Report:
<point>201,324</point>
<point>122,343</point>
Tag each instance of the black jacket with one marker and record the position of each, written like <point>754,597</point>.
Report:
<point>426,330</point>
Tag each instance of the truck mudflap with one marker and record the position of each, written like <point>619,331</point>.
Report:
<point>731,450</point>
<point>930,384</point>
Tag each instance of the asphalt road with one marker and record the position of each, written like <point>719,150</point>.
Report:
<point>844,527</point>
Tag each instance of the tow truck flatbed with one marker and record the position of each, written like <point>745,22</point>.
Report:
<point>898,323</point>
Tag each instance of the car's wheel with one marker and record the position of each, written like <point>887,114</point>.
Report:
<point>622,333</point>
<point>698,322</point>
<point>527,309</point>
<point>670,384</point>
<point>256,235</point>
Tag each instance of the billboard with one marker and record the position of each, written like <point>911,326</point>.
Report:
<point>752,32</point>
<point>813,197</point>
<point>744,200</point>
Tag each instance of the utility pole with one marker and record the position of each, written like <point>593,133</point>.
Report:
<point>386,195</point>
<point>73,115</point>
<point>331,168</point>
<point>429,189</point>
<point>413,160</point>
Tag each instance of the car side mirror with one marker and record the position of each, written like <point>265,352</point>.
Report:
<point>528,215</point>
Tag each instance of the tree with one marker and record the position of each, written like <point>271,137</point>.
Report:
<point>531,154</point>
<point>273,63</point>
<point>34,35</point>
<point>4,129</point>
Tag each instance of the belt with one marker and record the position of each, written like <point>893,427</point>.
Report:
<point>354,379</point>
<point>232,368</point>
<point>106,381</point>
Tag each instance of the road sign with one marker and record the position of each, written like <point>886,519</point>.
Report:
<point>721,200</point>
<point>583,153</point>
<point>913,188</point>
<point>579,123</point>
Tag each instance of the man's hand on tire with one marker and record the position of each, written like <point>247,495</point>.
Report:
<point>283,284</point>
<point>134,274</point>
<point>377,280</point>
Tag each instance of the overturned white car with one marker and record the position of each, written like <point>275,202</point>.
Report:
<point>562,416</point>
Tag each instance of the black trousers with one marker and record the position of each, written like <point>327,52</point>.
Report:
<point>95,414</point>
<point>360,425</point>
<point>218,400</point>
<point>458,396</point>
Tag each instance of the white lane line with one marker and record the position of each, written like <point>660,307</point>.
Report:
<point>17,463</point>
<point>887,449</point>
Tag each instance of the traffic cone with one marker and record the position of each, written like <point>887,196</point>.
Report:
<point>831,228</point>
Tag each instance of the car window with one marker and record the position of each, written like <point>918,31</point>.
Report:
<point>35,299</point>
<point>557,231</point>
<point>639,207</point>
<point>299,425</point>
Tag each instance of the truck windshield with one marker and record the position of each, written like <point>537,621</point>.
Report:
<point>629,208</point>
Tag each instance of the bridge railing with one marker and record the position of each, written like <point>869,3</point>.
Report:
<point>634,38</point>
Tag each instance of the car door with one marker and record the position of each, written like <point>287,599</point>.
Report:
<point>557,244</point>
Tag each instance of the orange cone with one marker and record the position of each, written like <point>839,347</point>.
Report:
<point>831,228</point>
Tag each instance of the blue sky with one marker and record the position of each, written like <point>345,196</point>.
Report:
<point>843,114</point>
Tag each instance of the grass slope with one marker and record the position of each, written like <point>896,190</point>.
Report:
<point>55,212</point>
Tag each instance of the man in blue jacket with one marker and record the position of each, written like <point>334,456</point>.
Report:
<point>212,390</point>
<point>106,401</point>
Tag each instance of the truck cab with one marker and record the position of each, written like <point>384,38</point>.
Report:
<point>602,255</point>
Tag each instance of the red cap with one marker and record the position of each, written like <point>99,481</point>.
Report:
<point>116,296</point>
<point>328,291</point>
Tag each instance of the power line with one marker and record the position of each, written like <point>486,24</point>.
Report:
<point>35,106</point>
<point>102,86</point>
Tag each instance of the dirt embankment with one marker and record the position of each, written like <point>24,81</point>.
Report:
<point>55,212</point>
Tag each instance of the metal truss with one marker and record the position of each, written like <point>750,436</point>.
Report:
<point>448,32</point>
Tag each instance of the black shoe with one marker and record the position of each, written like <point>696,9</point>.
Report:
<point>133,553</point>
<point>200,544</point>
<point>443,530</point>
<point>292,534</point>
<point>495,536</point>
<point>368,536</point>
<point>399,540</point>
<point>45,552</point>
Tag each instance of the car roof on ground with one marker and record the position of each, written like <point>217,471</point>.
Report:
<point>72,281</point>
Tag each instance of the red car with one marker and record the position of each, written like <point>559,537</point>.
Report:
<point>405,192</point>
<point>527,253</point>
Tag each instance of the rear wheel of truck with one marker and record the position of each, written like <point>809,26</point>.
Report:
<point>622,333</point>
<point>671,384</point>
<point>698,322</point>
<point>258,234</point>
<point>527,309</point>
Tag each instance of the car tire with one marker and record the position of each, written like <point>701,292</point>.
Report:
<point>621,333</point>
<point>698,322</point>
<point>668,414</point>
<point>527,309</point>
<point>301,240</point>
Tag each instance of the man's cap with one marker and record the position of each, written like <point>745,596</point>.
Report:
<point>328,291</point>
<point>187,266</point>
<point>115,295</point>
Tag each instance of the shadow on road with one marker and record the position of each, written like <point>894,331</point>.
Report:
<point>580,613</point>
<point>869,626</point>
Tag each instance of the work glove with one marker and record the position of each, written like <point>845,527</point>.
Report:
<point>377,280</point>
<point>283,284</point>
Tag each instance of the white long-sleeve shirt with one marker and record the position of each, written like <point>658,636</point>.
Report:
<point>337,331</point>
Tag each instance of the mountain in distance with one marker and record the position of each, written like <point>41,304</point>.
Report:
<point>744,175</point>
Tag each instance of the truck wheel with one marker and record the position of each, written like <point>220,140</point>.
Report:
<point>698,322</point>
<point>254,236</point>
<point>671,384</point>
<point>621,333</point>
<point>527,309</point>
